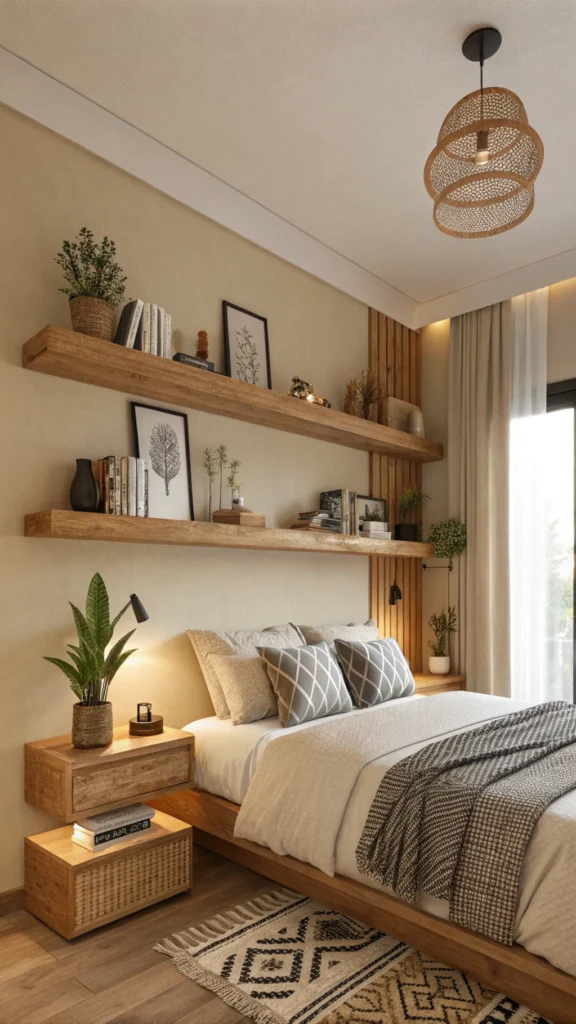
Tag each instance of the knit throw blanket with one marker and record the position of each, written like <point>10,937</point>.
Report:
<point>454,819</point>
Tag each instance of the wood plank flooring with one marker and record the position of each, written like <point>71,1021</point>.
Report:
<point>114,974</point>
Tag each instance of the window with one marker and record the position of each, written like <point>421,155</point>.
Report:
<point>559,482</point>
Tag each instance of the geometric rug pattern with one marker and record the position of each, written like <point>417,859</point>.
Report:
<point>285,959</point>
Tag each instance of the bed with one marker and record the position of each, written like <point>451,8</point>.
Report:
<point>540,970</point>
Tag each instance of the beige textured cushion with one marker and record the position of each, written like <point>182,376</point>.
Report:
<point>246,687</point>
<point>364,632</point>
<point>243,642</point>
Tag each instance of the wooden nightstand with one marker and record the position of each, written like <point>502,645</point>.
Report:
<point>69,783</point>
<point>73,890</point>
<point>428,684</point>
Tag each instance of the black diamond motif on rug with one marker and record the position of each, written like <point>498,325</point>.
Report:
<point>255,961</point>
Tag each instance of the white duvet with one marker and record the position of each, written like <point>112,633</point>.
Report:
<point>317,813</point>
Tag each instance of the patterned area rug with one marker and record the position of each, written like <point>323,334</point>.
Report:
<point>284,959</point>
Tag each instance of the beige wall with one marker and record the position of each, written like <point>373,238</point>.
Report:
<point>50,188</point>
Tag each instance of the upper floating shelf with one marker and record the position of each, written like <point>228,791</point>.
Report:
<point>60,524</point>
<point>64,353</point>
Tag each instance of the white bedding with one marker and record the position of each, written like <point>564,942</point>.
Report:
<point>227,759</point>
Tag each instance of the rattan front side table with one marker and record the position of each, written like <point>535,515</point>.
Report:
<point>73,890</point>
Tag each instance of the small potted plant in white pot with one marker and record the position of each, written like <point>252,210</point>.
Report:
<point>441,625</point>
<point>92,668</point>
<point>95,283</point>
<point>410,502</point>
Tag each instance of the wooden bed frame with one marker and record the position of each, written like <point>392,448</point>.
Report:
<point>510,969</point>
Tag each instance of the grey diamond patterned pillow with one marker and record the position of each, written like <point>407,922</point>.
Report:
<point>307,682</point>
<point>375,671</point>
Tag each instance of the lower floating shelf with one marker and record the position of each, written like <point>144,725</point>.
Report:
<point>59,524</point>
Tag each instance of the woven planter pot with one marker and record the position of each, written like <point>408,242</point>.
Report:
<point>92,316</point>
<point>91,726</point>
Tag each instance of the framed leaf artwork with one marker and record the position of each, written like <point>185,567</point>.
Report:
<point>246,346</point>
<point>161,437</point>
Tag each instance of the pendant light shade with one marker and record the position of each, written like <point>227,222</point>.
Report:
<point>481,173</point>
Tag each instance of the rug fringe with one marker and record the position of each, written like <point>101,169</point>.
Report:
<point>228,993</point>
<point>216,927</point>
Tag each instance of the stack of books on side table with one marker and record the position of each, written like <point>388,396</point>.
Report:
<point>103,830</point>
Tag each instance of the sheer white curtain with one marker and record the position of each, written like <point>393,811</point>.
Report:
<point>528,496</point>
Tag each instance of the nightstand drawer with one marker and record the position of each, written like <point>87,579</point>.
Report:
<point>70,783</point>
<point>145,774</point>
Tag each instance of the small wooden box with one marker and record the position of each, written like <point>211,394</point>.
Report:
<point>69,783</point>
<point>236,517</point>
<point>74,891</point>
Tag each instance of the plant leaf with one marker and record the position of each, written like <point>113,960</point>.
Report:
<point>98,610</point>
<point>120,662</point>
<point>84,632</point>
<point>115,621</point>
<point>69,670</point>
<point>115,653</point>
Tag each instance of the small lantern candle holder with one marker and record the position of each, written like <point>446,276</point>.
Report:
<point>145,723</point>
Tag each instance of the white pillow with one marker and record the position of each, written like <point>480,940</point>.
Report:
<point>363,632</point>
<point>246,687</point>
<point>244,642</point>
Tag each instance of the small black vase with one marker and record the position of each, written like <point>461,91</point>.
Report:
<point>84,494</point>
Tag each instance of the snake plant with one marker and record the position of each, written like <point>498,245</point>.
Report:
<point>91,668</point>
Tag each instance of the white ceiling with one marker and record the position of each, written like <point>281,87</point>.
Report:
<point>324,111</point>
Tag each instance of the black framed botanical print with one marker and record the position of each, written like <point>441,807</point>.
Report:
<point>246,345</point>
<point>161,437</point>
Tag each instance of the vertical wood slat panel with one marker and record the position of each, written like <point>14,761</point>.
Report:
<point>394,354</point>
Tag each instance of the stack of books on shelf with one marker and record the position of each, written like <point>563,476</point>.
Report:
<point>146,327</point>
<point>123,485</point>
<point>317,520</point>
<point>104,830</point>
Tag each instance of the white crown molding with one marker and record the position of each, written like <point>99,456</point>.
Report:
<point>56,106</point>
<point>516,282</point>
<point>39,96</point>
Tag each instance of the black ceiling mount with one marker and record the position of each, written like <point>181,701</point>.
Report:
<point>481,44</point>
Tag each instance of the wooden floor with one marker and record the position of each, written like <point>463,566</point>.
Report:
<point>114,974</point>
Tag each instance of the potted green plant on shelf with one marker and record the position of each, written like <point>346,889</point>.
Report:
<point>449,539</point>
<point>410,501</point>
<point>92,668</point>
<point>441,625</point>
<point>94,283</point>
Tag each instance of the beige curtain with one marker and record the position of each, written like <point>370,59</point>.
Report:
<point>478,440</point>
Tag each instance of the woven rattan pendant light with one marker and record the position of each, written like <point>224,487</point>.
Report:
<point>481,173</point>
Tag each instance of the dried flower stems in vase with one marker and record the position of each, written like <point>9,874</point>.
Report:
<point>362,394</point>
<point>210,467</point>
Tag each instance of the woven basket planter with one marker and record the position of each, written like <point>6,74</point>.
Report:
<point>92,316</point>
<point>92,726</point>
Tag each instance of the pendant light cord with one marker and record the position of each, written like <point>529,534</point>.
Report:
<point>482,79</point>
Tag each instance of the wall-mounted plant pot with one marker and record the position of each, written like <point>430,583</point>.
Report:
<point>406,531</point>
<point>439,666</point>
<point>92,316</point>
<point>92,726</point>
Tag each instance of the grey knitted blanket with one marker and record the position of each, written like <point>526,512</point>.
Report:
<point>454,819</point>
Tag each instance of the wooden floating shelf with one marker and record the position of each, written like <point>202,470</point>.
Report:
<point>59,524</point>
<point>64,353</point>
